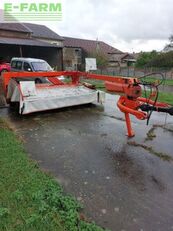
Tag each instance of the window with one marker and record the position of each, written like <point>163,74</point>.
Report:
<point>19,65</point>
<point>16,65</point>
<point>13,64</point>
<point>78,52</point>
<point>27,67</point>
<point>41,66</point>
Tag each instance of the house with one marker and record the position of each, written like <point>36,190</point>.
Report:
<point>38,41</point>
<point>75,50</point>
<point>121,60</point>
<point>73,58</point>
<point>31,40</point>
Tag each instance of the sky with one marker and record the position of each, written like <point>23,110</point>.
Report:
<point>128,25</point>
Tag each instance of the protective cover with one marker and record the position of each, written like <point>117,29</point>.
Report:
<point>34,99</point>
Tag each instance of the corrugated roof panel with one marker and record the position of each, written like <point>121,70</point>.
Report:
<point>15,27</point>
<point>26,42</point>
<point>42,31</point>
<point>36,30</point>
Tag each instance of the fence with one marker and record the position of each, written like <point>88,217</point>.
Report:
<point>135,72</point>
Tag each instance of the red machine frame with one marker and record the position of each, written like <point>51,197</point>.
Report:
<point>129,103</point>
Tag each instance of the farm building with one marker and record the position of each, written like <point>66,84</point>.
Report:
<point>31,40</point>
<point>75,50</point>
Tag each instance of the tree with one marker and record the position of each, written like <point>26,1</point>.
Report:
<point>101,59</point>
<point>169,47</point>
<point>171,38</point>
<point>164,60</point>
<point>145,58</point>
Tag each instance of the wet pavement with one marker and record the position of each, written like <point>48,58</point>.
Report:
<point>124,184</point>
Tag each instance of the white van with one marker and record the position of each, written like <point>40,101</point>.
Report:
<point>32,65</point>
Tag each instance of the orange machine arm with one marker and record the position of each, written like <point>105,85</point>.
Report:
<point>131,101</point>
<point>128,102</point>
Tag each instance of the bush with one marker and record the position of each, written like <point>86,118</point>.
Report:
<point>154,59</point>
<point>162,60</point>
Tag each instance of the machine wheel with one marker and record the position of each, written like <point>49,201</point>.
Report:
<point>14,107</point>
<point>38,80</point>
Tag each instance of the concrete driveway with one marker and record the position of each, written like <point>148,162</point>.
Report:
<point>124,184</point>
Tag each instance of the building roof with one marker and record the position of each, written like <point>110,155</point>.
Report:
<point>42,31</point>
<point>39,31</point>
<point>90,45</point>
<point>120,57</point>
<point>19,27</point>
<point>117,57</point>
<point>27,42</point>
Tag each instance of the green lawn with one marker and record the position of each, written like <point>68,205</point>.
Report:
<point>167,82</point>
<point>99,84</point>
<point>165,97</point>
<point>31,200</point>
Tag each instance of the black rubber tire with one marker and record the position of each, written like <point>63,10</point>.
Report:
<point>38,80</point>
<point>14,107</point>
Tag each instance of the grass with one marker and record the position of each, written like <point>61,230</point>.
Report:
<point>150,149</point>
<point>167,82</point>
<point>99,84</point>
<point>31,200</point>
<point>165,97</point>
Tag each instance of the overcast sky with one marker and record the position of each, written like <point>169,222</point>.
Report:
<point>129,25</point>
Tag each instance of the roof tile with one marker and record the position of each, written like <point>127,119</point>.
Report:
<point>90,45</point>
